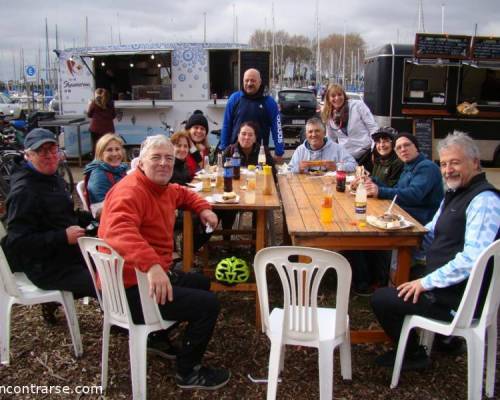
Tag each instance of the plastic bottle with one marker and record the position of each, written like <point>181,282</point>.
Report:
<point>262,157</point>
<point>228,176</point>
<point>236,161</point>
<point>268,180</point>
<point>251,183</point>
<point>206,164</point>
<point>326,211</point>
<point>340,177</point>
<point>360,202</point>
<point>219,179</point>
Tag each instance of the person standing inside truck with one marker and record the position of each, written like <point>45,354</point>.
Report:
<point>250,104</point>
<point>101,112</point>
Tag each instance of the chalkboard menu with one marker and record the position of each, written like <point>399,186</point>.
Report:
<point>422,129</point>
<point>486,48</point>
<point>451,47</point>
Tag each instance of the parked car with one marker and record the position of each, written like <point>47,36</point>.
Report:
<point>296,107</point>
<point>8,107</point>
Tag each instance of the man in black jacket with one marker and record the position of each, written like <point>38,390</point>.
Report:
<point>42,226</point>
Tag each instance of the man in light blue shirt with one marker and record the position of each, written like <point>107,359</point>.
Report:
<point>466,222</point>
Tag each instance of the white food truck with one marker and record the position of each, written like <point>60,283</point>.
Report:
<point>155,86</point>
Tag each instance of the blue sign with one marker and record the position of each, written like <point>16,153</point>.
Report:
<point>31,73</point>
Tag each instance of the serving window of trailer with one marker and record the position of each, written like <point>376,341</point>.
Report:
<point>138,76</point>
<point>425,84</point>
<point>480,85</point>
<point>223,76</point>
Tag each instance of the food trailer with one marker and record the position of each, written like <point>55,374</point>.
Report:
<point>440,84</point>
<point>155,86</point>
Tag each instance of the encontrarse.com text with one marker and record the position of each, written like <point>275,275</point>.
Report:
<point>49,389</point>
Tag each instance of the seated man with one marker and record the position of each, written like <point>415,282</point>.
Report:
<point>318,151</point>
<point>138,222</point>
<point>419,188</point>
<point>465,224</point>
<point>42,226</point>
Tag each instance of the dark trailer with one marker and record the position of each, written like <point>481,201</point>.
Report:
<point>418,89</point>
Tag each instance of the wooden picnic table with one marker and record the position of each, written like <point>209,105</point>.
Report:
<point>261,204</point>
<point>302,196</point>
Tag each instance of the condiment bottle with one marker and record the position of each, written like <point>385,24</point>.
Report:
<point>268,180</point>
<point>219,179</point>
<point>236,160</point>
<point>228,176</point>
<point>326,211</point>
<point>360,202</point>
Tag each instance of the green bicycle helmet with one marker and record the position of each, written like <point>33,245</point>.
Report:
<point>232,270</point>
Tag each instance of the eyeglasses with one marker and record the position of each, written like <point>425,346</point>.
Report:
<point>47,151</point>
<point>402,146</point>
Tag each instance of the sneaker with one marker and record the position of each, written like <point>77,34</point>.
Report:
<point>162,347</point>
<point>204,378</point>
<point>415,360</point>
<point>49,311</point>
<point>451,345</point>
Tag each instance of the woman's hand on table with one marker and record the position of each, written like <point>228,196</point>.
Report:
<point>371,188</point>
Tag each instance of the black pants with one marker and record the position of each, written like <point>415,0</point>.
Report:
<point>369,266</point>
<point>200,237</point>
<point>194,303</point>
<point>73,278</point>
<point>391,311</point>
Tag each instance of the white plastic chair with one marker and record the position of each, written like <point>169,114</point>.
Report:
<point>80,189</point>
<point>16,288</point>
<point>108,264</point>
<point>301,322</point>
<point>463,324</point>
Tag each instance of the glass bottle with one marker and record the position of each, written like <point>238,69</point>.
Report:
<point>268,180</point>
<point>206,164</point>
<point>228,176</point>
<point>236,161</point>
<point>326,210</point>
<point>219,179</point>
<point>360,202</point>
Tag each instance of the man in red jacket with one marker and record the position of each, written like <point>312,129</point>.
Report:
<point>138,222</point>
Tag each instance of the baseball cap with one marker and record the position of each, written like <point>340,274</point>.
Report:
<point>38,137</point>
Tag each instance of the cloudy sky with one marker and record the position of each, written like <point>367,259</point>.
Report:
<point>139,21</point>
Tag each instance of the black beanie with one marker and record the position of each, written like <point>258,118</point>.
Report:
<point>409,136</point>
<point>197,119</point>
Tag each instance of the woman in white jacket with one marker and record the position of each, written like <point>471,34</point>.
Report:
<point>349,123</point>
<point>317,147</point>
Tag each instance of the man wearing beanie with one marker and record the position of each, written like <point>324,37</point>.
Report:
<point>419,188</point>
<point>42,225</point>
<point>250,104</point>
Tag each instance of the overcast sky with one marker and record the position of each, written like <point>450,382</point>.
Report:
<point>139,21</point>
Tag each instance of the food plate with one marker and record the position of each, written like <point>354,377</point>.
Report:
<point>379,223</point>
<point>218,199</point>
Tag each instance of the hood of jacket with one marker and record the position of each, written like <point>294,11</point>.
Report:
<point>98,164</point>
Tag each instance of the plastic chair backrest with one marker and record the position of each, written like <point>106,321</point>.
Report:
<point>7,279</point>
<point>465,313</point>
<point>103,259</point>
<point>300,281</point>
<point>80,189</point>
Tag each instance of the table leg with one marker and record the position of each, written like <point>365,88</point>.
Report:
<point>79,137</point>
<point>260,242</point>
<point>402,274</point>
<point>287,240</point>
<point>187,239</point>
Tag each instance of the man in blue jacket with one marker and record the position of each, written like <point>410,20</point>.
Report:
<point>420,186</point>
<point>250,104</point>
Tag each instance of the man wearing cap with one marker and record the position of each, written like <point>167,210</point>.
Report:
<point>42,226</point>
<point>250,104</point>
<point>419,188</point>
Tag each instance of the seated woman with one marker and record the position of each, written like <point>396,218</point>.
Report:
<point>372,266</point>
<point>105,170</point>
<point>319,151</point>
<point>182,176</point>
<point>197,127</point>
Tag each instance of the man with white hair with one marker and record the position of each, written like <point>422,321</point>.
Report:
<point>466,222</point>
<point>138,222</point>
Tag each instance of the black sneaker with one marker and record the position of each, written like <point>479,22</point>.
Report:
<point>451,345</point>
<point>49,311</point>
<point>415,360</point>
<point>204,378</point>
<point>162,347</point>
<point>363,290</point>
